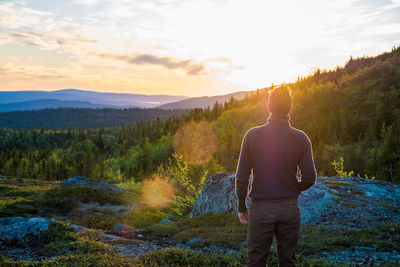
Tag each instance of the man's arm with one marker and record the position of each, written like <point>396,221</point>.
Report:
<point>306,165</point>
<point>243,174</point>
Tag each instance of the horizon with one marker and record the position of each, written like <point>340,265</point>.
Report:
<point>168,48</point>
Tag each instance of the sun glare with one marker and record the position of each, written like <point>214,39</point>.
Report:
<point>157,192</point>
<point>196,142</point>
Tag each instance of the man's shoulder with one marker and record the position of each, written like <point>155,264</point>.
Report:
<point>300,134</point>
<point>255,130</point>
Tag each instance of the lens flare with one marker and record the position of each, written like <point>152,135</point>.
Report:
<point>157,192</point>
<point>196,142</point>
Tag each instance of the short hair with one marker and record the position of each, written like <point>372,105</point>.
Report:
<point>280,100</point>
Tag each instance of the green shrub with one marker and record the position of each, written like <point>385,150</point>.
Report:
<point>89,260</point>
<point>220,229</point>
<point>181,257</point>
<point>143,217</point>
<point>339,168</point>
<point>99,220</point>
<point>188,181</point>
<point>64,199</point>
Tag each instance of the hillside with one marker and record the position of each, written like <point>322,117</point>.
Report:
<point>203,102</point>
<point>50,103</point>
<point>120,100</point>
<point>61,118</point>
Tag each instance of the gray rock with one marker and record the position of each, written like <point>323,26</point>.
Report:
<point>109,237</point>
<point>352,202</point>
<point>20,231</point>
<point>124,230</point>
<point>216,248</point>
<point>167,220</point>
<point>218,195</point>
<point>194,240</point>
<point>78,228</point>
<point>80,180</point>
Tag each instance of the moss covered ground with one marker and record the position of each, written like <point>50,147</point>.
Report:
<point>63,247</point>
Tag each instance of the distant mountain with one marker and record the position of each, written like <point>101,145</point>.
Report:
<point>121,100</point>
<point>202,102</point>
<point>59,118</point>
<point>50,103</point>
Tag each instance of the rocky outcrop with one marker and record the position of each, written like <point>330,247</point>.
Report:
<point>353,201</point>
<point>124,230</point>
<point>83,181</point>
<point>20,231</point>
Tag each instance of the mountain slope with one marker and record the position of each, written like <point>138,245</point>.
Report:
<point>50,103</point>
<point>122,100</point>
<point>202,102</point>
<point>81,117</point>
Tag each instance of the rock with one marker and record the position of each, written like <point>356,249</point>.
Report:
<point>194,240</point>
<point>78,228</point>
<point>109,237</point>
<point>215,248</point>
<point>218,195</point>
<point>80,180</point>
<point>18,231</point>
<point>364,257</point>
<point>353,202</point>
<point>124,230</point>
<point>167,220</point>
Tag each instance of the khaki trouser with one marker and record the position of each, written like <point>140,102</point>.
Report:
<point>269,217</point>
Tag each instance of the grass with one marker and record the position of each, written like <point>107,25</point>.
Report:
<point>224,229</point>
<point>221,229</point>
<point>316,239</point>
<point>99,221</point>
<point>162,257</point>
<point>28,197</point>
<point>143,217</point>
<point>59,239</point>
<point>86,249</point>
<point>336,184</point>
<point>64,199</point>
<point>17,197</point>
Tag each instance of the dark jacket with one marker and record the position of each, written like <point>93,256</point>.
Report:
<point>274,152</point>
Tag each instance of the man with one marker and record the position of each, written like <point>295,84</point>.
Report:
<point>273,153</point>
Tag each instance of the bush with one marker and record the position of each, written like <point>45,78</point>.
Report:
<point>143,217</point>
<point>64,199</point>
<point>98,220</point>
<point>181,257</point>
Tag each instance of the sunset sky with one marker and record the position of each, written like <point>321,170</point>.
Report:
<point>190,48</point>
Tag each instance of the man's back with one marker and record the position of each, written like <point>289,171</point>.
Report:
<point>274,153</point>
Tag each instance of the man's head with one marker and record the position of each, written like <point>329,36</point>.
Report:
<point>280,100</point>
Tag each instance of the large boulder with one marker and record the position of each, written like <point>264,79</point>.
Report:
<point>83,181</point>
<point>20,231</point>
<point>352,201</point>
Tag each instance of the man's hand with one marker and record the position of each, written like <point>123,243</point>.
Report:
<point>243,217</point>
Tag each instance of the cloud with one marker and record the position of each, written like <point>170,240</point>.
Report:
<point>48,41</point>
<point>190,66</point>
<point>392,5</point>
<point>86,2</point>
<point>13,72</point>
<point>384,29</point>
